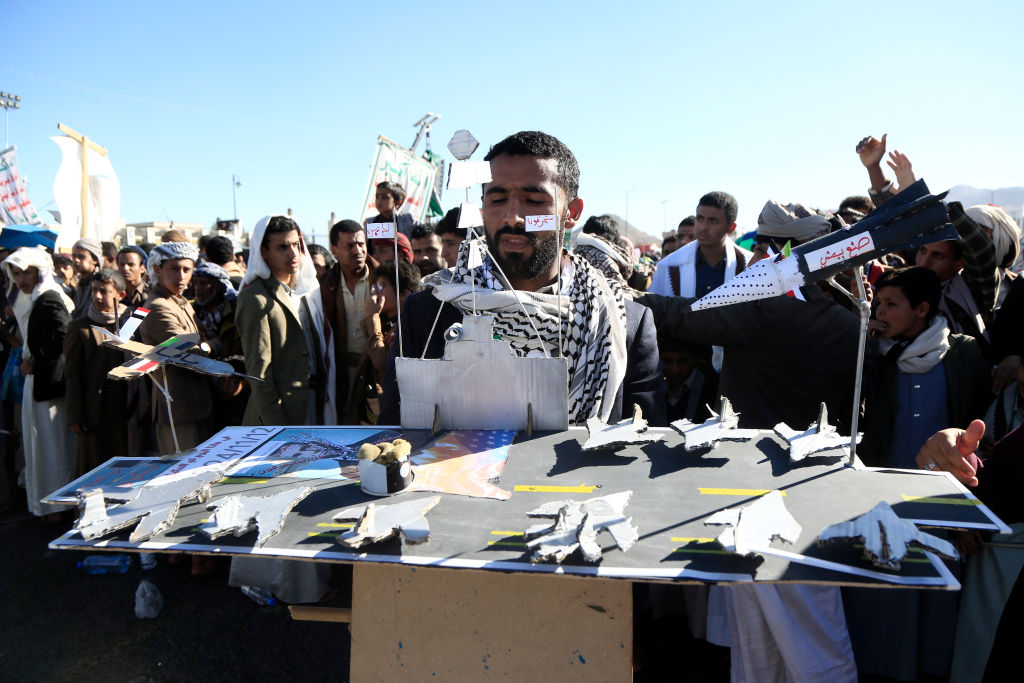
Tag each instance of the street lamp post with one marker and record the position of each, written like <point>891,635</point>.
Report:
<point>628,192</point>
<point>8,101</point>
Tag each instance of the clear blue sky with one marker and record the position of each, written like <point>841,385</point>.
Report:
<point>673,99</point>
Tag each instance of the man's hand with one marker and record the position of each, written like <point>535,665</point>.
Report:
<point>948,449</point>
<point>876,327</point>
<point>1004,373</point>
<point>871,150</point>
<point>968,541</point>
<point>375,302</point>
<point>900,165</point>
<point>26,368</point>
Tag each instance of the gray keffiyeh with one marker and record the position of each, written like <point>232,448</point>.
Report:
<point>790,221</point>
<point>212,270</point>
<point>592,317</point>
<point>169,251</point>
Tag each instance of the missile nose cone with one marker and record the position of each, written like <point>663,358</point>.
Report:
<point>764,279</point>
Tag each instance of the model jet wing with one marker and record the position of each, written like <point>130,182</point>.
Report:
<point>173,351</point>
<point>151,357</point>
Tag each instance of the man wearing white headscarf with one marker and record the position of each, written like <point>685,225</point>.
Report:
<point>43,312</point>
<point>281,323</point>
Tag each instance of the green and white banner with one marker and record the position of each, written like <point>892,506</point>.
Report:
<point>396,164</point>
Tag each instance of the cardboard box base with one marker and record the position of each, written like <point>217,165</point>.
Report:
<point>416,623</point>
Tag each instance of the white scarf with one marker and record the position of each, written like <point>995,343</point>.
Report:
<point>592,318</point>
<point>686,258</point>
<point>307,289</point>
<point>925,351</point>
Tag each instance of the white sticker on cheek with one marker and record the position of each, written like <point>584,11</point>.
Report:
<point>536,223</point>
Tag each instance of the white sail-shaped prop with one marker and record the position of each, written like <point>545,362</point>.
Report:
<point>104,207</point>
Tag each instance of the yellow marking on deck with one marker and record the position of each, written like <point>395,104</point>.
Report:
<point>506,533</point>
<point>535,488</point>
<point>702,551</point>
<point>326,534</point>
<point>337,525</point>
<point>736,492</point>
<point>511,544</point>
<point>940,501</point>
<point>686,539</point>
<point>242,480</point>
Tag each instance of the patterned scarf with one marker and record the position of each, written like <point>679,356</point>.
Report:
<point>104,318</point>
<point>168,251</point>
<point>605,256</point>
<point>592,317</point>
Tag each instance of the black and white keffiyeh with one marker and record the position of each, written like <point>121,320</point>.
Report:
<point>592,317</point>
<point>607,257</point>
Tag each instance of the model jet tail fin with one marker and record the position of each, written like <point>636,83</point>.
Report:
<point>132,323</point>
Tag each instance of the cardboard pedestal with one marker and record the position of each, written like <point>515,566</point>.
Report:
<point>415,623</point>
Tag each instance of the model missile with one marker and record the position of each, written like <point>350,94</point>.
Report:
<point>910,218</point>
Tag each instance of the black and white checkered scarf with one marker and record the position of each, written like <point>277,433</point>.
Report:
<point>592,316</point>
<point>607,257</point>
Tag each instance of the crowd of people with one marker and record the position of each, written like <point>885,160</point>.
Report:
<point>318,327</point>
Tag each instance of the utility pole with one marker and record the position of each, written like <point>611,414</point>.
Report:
<point>8,101</point>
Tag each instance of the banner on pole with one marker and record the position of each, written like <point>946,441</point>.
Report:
<point>394,163</point>
<point>15,206</point>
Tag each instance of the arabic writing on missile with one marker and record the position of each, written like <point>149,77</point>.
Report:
<point>840,252</point>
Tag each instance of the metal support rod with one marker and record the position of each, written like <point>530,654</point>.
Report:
<point>865,315</point>
<point>167,398</point>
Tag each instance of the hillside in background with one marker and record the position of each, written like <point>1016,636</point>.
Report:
<point>635,234</point>
<point>1010,199</point>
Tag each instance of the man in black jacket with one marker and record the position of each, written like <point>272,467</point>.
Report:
<point>43,312</point>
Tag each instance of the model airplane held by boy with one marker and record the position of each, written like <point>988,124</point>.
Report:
<point>173,351</point>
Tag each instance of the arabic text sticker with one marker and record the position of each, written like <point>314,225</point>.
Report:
<point>839,252</point>
<point>535,223</point>
<point>376,231</point>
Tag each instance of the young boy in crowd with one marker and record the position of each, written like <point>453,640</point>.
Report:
<point>96,404</point>
<point>924,379</point>
<point>690,383</point>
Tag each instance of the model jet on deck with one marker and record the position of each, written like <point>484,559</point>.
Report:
<point>174,351</point>
<point>721,426</point>
<point>911,218</point>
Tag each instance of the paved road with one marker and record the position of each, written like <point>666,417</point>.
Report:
<point>57,624</point>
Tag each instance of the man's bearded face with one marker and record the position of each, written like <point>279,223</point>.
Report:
<point>524,263</point>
